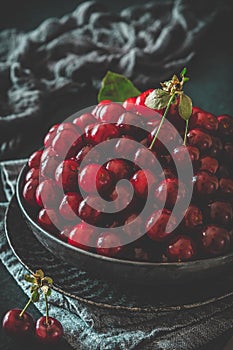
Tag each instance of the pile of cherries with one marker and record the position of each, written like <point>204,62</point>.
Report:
<point>206,228</point>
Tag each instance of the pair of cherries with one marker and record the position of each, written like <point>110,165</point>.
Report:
<point>20,325</point>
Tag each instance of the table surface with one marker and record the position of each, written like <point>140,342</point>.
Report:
<point>211,73</point>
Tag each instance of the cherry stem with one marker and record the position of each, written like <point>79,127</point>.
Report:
<point>162,120</point>
<point>186,132</point>
<point>47,309</point>
<point>25,307</point>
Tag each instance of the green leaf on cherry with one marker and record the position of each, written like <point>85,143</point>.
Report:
<point>185,106</point>
<point>29,279</point>
<point>35,296</point>
<point>117,88</point>
<point>39,273</point>
<point>157,99</point>
<point>47,280</point>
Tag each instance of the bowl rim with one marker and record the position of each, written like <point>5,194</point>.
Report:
<point>175,265</point>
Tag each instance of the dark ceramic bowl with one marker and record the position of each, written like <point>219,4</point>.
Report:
<point>146,273</point>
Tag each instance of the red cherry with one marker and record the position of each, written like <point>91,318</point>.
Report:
<point>91,211</point>
<point>84,120</point>
<point>83,155</point>
<point>129,104</point>
<point>47,194</point>
<point>208,163</point>
<point>93,177</point>
<point>228,153</point>
<point>109,244</point>
<point>29,192</point>
<point>173,117</point>
<point>216,148</point>
<point>181,248</point>
<point>157,225</point>
<point>226,188</point>
<point>101,132</point>
<point>132,124</point>
<point>185,154</point>
<point>69,205</point>
<point>123,201</point>
<point>49,163</point>
<point>48,219</point>
<point>133,226</point>
<point>16,326</point>
<point>34,159</point>
<point>167,192</point>
<point>109,112</point>
<point>193,217</point>
<point>67,141</point>
<point>214,240</point>
<point>167,138</point>
<point>203,119</point>
<point>199,139</point>
<point>143,181</point>
<point>220,213</point>
<point>120,168</point>
<point>66,175</point>
<point>122,144</point>
<point>83,236</point>
<point>50,333</point>
<point>50,135</point>
<point>32,174</point>
<point>225,125</point>
<point>205,183</point>
<point>145,158</point>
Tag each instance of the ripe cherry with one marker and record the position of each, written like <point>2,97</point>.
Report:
<point>199,139</point>
<point>225,126</point>
<point>120,168</point>
<point>220,213</point>
<point>167,192</point>
<point>18,325</point>
<point>205,183</point>
<point>214,240</point>
<point>143,181</point>
<point>67,141</point>
<point>84,120</point>
<point>83,236</point>
<point>66,175</point>
<point>132,124</point>
<point>129,104</point>
<point>48,219</point>
<point>203,120</point>
<point>181,248</point>
<point>160,224</point>
<point>34,159</point>
<point>193,217</point>
<point>109,112</point>
<point>124,143</point>
<point>69,205</point>
<point>93,177</point>
<point>109,244</point>
<point>32,174</point>
<point>49,332</point>
<point>29,192</point>
<point>92,211</point>
<point>101,132</point>
<point>83,155</point>
<point>209,164</point>
<point>47,194</point>
<point>49,162</point>
<point>50,135</point>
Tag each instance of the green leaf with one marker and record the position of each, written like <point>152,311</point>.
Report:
<point>29,278</point>
<point>185,107</point>
<point>33,288</point>
<point>35,296</point>
<point>157,99</point>
<point>117,88</point>
<point>184,71</point>
<point>39,273</point>
<point>47,280</point>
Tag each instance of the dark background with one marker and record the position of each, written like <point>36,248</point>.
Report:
<point>211,87</point>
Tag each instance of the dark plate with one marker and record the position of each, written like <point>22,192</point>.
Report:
<point>77,283</point>
<point>125,271</point>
